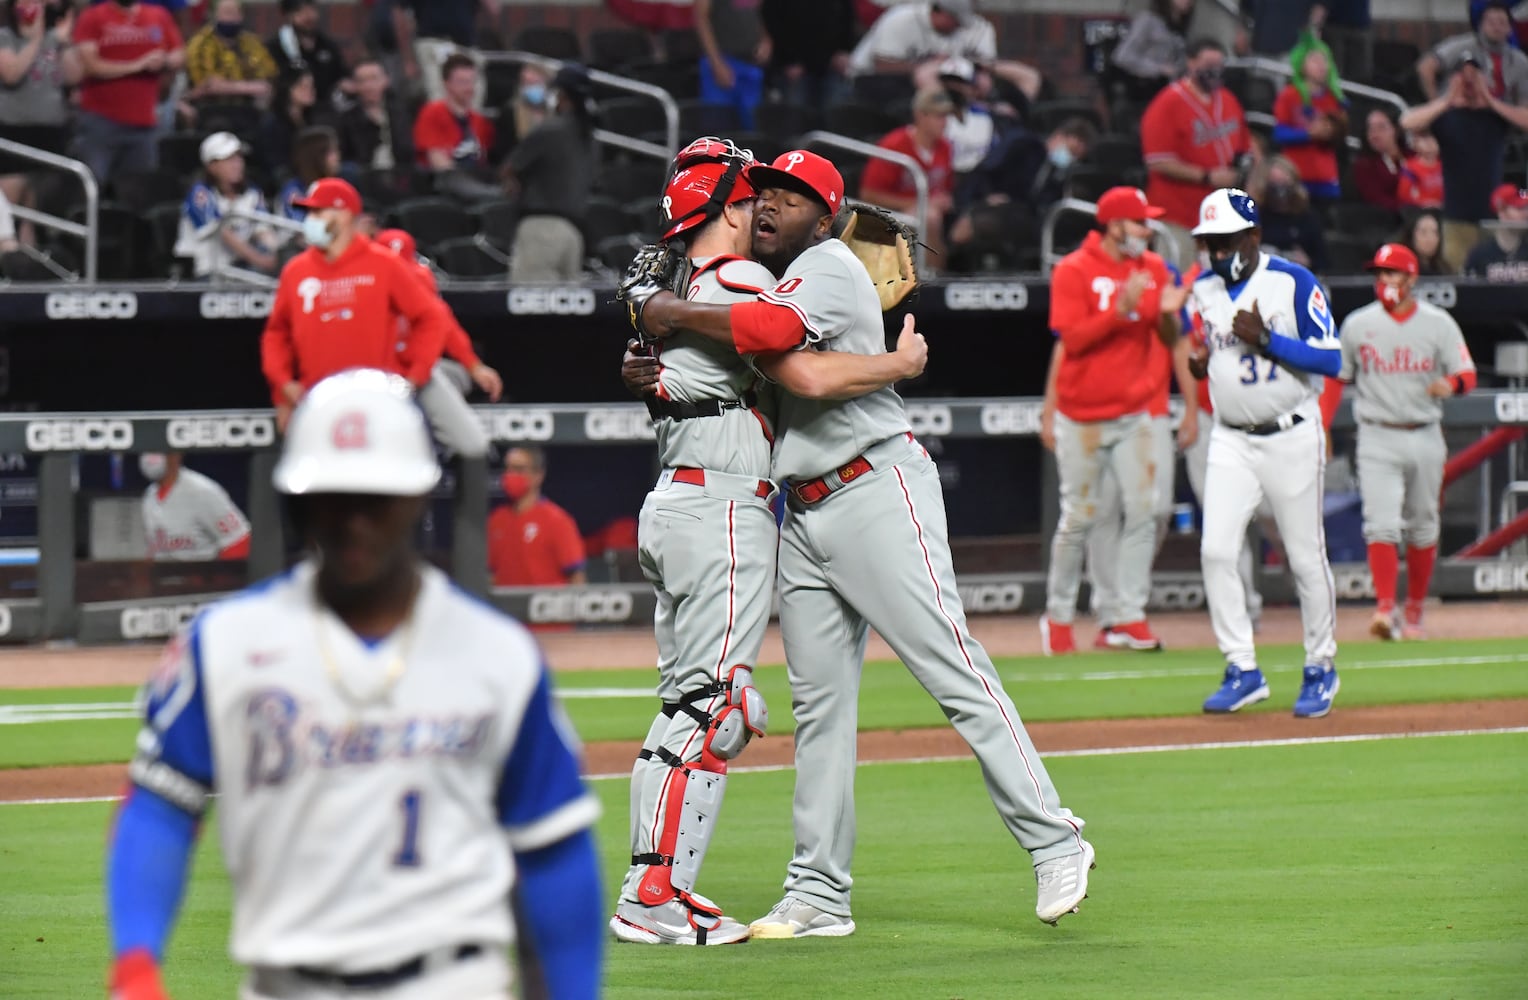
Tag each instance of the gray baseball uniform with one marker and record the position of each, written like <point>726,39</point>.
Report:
<point>1108,605</point>
<point>194,522</point>
<point>708,548</point>
<point>874,552</point>
<point>1401,452</point>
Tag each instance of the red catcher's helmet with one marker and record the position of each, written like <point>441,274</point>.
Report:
<point>708,174</point>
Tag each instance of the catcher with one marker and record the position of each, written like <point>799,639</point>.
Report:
<point>864,544</point>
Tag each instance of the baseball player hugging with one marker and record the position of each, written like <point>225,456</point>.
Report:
<point>389,762</point>
<point>1269,337</point>
<point>1405,357</point>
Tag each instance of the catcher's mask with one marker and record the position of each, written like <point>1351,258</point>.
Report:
<point>708,175</point>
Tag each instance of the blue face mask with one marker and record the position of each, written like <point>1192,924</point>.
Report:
<point>1230,268</point>
<point>315,231</point>
<point>229,29</point>
<point>533,95</point>
<point>1061,157</point>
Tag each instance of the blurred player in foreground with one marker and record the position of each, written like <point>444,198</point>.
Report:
<point>388,759</point>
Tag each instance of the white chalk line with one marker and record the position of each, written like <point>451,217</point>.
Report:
<point>1120,751</point>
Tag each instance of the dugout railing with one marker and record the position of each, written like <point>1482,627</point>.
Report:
<point>55,439</point>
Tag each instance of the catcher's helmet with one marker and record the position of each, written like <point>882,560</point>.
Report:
<point>707,175</point>
<point>358,432</point>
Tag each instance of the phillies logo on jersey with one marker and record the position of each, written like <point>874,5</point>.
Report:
<point>1400,362</point>
<point>350,432</point>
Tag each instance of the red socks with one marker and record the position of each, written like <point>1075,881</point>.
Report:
<point>1385,567</point>
<point>1419,570</point>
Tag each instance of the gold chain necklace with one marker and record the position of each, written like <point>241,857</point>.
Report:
<point>396,664</point>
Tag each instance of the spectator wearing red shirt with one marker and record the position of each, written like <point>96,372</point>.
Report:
<point>891,186</point>
<point>1377,169</point>
<point>532,542</point>
<point>452,139</point>
<point>1192,135</point>
<point>1421,181</point>
<point>1312,120</point>
<point>124,48</point>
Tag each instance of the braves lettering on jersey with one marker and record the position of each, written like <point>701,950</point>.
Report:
<point>360,782</point>
<point>695,369</point>
<point>1245,386</point>
<point>195,521</point>
<point>830,291</point>
<point>1394,361</point>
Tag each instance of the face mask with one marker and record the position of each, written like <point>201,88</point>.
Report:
<point>230,29</point>
<point>516,485</point>
<point>1061,157</point>
<point>316,232</point>
<point>1132,246</point>
<point>1389,296</point>
<point>153,466</point>
<point>1232,268</point>
<point>533,96</point>
<point>1208,80</point>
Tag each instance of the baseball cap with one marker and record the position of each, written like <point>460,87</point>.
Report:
<point>965,10</point>
<point>1125,203</point>
<point>801,170</point>
<point>358,432</point>
<point>1508,196</point>
<point>933,100</point>
<point>958,68</point>
<point>571,78</point>
<point>330,192</point>
<point>220,146</point>
<point>1226,211</point>
<point>399,242</point>
<point>1394,257</point>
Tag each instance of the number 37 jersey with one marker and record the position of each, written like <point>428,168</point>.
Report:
<point>1247,387</point>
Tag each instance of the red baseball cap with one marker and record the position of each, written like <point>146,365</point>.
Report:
<point>330,192</point>
<point>1394,257</point>
<point>1126,203</point>
<point>1508,196</point>
<point>804,171</point>
<point>399,242</point>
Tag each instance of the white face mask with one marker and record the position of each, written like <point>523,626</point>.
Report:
<point>315,231</point>
<point>1133,246</point>
<point>153,466</point>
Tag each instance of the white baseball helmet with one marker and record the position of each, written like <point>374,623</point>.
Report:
<point>1226,211</point>
<point>358,432</point>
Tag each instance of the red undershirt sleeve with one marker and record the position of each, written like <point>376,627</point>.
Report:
<point>765,328</point>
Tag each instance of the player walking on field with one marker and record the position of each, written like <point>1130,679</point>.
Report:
<point>1269,336</point>
<point>1110,301</point>
<point>865,544</point>
<point>388,760</point>
<point>1405,357</point>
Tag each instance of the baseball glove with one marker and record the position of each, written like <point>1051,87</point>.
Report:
<point>884,244</point>
<point>658,267</point>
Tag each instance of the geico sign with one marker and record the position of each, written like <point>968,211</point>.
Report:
<point>1185,596</point>
<point>618,425</point>
<point>929,420</point>
<point>236,305</point>
<point>1502,578</point>
<point>1440,294</point>
<point>1011,418</point>
<point>1353,585</point>
<point>518,425</point>
<point>156,622</point>
<point>1512,407</point>
<point>79,435</point>
<point>981,296</point>
<point>221,432</point>
<point>91,305</point>
<point>991,598</point>
<point>581,606</point>
<point>551,301</point>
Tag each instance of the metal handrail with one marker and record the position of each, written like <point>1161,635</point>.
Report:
<point>228,269</point>
<point>89,230</point>
<point>912,166</point>
<point>1167,249</point>
<point>1283,71</point>
<point>670,107</point>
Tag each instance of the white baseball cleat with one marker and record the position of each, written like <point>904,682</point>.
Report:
<point>672,923</point>
<point>792,918</point>
<point>1063,884</point>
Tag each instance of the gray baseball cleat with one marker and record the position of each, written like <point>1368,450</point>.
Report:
<point>674,923</point>
<point>1063,884</point>
<point>792,918</point>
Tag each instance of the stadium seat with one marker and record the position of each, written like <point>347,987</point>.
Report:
<point>432,221</point>
<point>554,43</point>
<point>495,219</point>
<point>382,189</point>
<point>469,257</point>
<point>147,187</point>
<point>680,45</point>
<point>1361,218</point>
<point>1045,116</point>
<point>1347,253</point>
<point>1395,66</point>
<point>605,217</point>
<point>680,80</point>
<point>639,179</point>
<point>118,238</point>
<point>1089,182</point>
<point>1256,93</point>
<point>1115,151</point>
<point>696,118</point>
<point>632,115</point>
<point>861,121</point>
<point>785,122</point>
<point>163,223</point>
<point>18,265</point>
<point>615,252</point>
<point>180,153</point>
<point>885,90</point>
<point>763,147</point>
<point>501,81</point>
<point>1071,229</point>
<point>612,47</point>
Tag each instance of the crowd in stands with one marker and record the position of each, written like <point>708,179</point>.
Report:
<point>482,159</point>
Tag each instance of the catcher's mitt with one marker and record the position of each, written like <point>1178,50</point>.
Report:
<point>884,244</point>
<point>658,267</point>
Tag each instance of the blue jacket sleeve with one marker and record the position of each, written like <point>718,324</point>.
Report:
<point>1290,135</point>
<point>146,865</point>
<point>1305,355</point>
<point>564,915</point>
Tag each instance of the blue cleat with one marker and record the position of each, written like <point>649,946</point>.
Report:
<point>1316,692</point>
<point>1239,689</point>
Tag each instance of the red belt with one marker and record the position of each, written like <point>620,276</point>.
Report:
<point>697,477</point>
<point>814,490</point>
